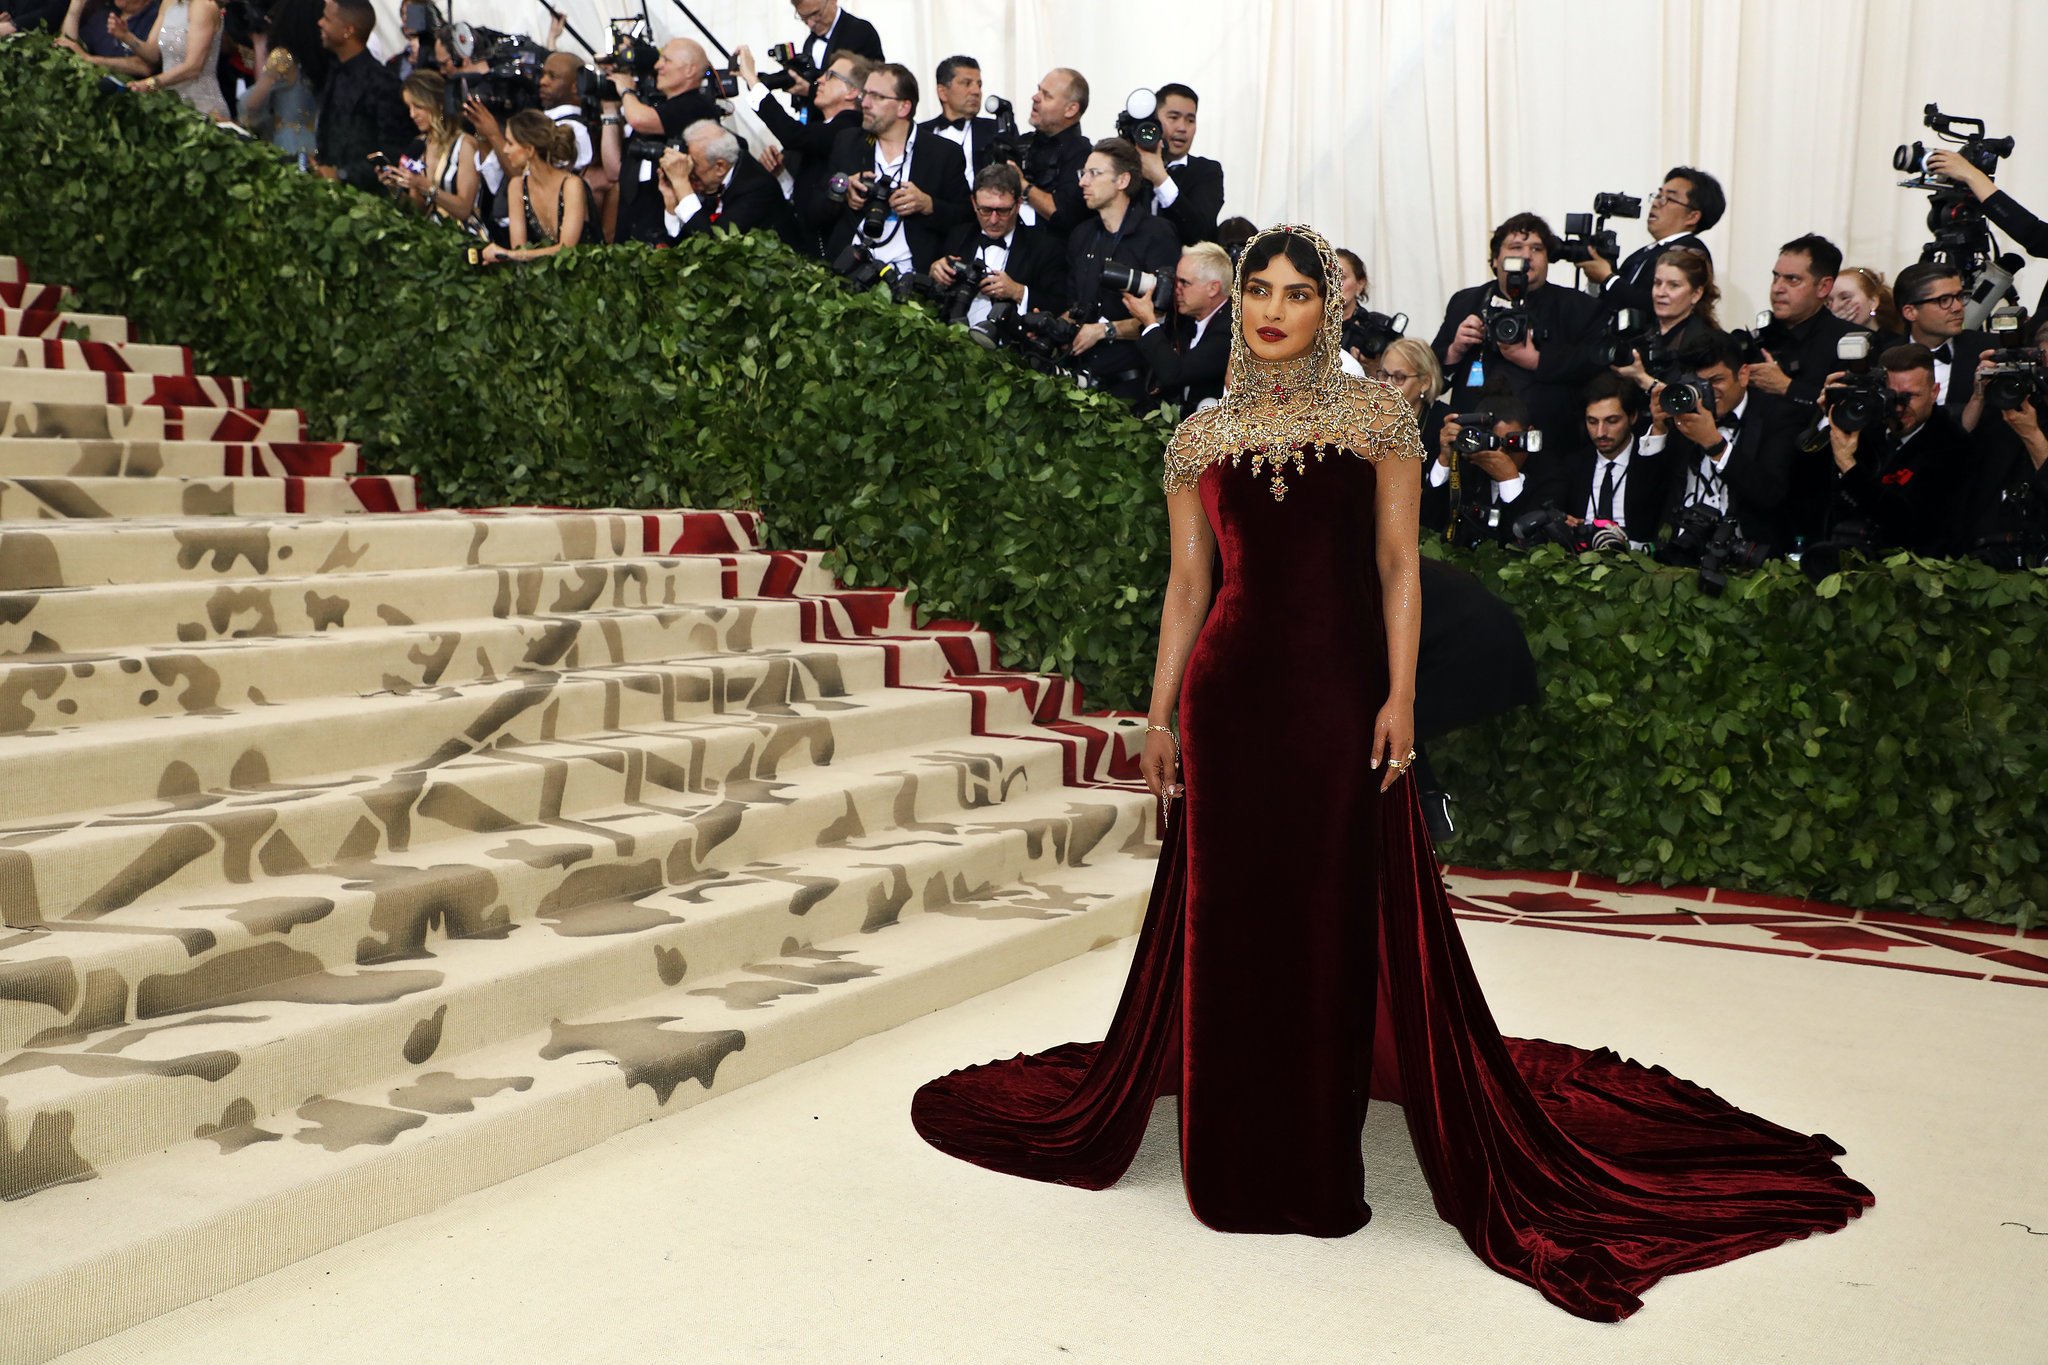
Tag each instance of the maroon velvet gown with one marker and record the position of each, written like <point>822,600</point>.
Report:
<point>1299,955</point>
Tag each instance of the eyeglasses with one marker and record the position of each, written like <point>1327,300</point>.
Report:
<point>843,79</point>
<point>1954,300</point>
<point>996,212</point>
<point>1094,172</point>
<point>877,97</point>
<point>1661,197</point>
<point>1396,376</point>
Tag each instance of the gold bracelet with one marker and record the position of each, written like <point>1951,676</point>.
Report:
<point>1168,732</point>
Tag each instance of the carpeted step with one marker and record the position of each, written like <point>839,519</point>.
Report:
<point>35,298</point>
<point>67,458</point>
<point>490,926</point>
<point>99,387</point>
<point>22,353</point>
<point>23,500</point>
<point>12,270</point>
<point>141,1237</point>
<point>50,324</point>
<point>97,421</point>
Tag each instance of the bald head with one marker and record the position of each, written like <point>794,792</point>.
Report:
<point>558,79</point>
<point>682,66</point>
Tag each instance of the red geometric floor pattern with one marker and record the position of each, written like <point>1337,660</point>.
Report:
<point>1706,918</point>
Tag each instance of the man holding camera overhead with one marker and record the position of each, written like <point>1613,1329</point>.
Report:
<point>828,32</point>
<point>905,190</point>
<point>1105,255</point>
<point>1186,190</point>
<point>1688,203</point>
<point>1518,334</point>
<point>807,145</point>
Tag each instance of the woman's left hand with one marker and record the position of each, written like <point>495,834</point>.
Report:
<point>494,253</point>
<point>1393,738</point>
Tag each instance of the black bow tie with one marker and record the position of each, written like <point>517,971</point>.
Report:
<point>952,124</point>
<point>1731,424</point>
<point>1000,243</point>
<point>1945,353</point>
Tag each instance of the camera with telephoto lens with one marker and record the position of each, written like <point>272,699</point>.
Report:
<point>1475,433</point>
<point>874,215</point>
<point>796,66</point>
<point>1139,123</point>
<point>1370,333</point>
<point>950,301</point>
<point>1008,144</point>
<point>1128,279</point>
<point>1587,234</point>
<point>1711,542</point>
<point>1512,325</point>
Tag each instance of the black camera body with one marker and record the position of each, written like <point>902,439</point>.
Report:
<point>859,271</point>
<point>1512,325</point>
<point>1859,400</point>
<point>950,301</point>
<point>1138,123</point>
<point>2016,376</point>
<point>1008,144</point>
<point>1036,340</point>
<point>1632,332</point>
<point>634,54</point>
<point>874,214</point>
<point>1475,433</point>
<point>720,85</point>
<point>1550,526</point>
<point>1370,333</point>
<point>1971,144</point>
<point>1687,393</point>
<point>1709,541</point>
<point>796,66</point>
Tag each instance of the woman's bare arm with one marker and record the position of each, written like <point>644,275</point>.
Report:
<point>1190,587</point>
<point>1397,514</point>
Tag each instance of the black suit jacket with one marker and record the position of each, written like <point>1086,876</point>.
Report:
<point>1629,286</point>
<point>1907,496</point>
<point>361,111</point>
<point>1054,165</point>
<point>1200,204</point>
<point>1573,476</point>
<point>807,152</point>
<point>850,33</point>
<point>1966,350</point>
<point>1551,389</point>
<point>640,203</point>
<point>1478,497</point>
<point>1035,261</point>
<point>751,202</point>
<point>1184,376</point>
<point>2023,227</point>
<point>1806,352</point>
<point>1757,470</point>
<point>936,166</point>
<point>981,138</point>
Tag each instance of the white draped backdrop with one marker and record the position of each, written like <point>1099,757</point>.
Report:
<point>1406,128</point>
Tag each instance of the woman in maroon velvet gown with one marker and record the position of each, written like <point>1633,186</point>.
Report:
<point>1299,955</point>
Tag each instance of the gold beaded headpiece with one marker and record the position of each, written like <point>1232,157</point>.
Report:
<point>1288,412</point>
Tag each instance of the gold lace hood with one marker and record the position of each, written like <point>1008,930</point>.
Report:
<point>1289,413</point>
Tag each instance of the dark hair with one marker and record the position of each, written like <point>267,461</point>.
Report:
<point>359,15</point>
<point>1233,233</point>
<point>1698,269</point>
<point>555,143</point>
<point>1000,176</point>
<point>1123,159</point>
<point>1914,279</point>
<point>1608,384</point>
<point>1711,348</point>
<point>1707,194</point>
<point>1299,251</point>
<point>1505,407</point>
<point>1173,89</point>
<point>1521,222</point>
<point>1911,356</point>
<point>906,84</point>
<point>1824,256</point>
<point>952,67</point>
<point>1350,258</point>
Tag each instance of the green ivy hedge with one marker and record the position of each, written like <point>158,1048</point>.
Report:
<point>1876,742</point>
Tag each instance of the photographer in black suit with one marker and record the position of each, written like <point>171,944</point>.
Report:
<point>677,77</point>
<point>927,187</point>
<point>829,31</point>
<point>1733,455</point>
<point>1608,477</point>
<point>1475,495</point>
<point>1688,203</point>
<point>1932,299</point>
<point>1055,152</point>
<point>960,119</point>
<point>1545,370</point>
<point>807,145</point>
<point>714,184</point>
<point>1803,333</point>
<point>1026,267</point>
<point>1901,482</point>
<point>1188,360</point>
<point>1117,234</point>
<point>1185,190</point>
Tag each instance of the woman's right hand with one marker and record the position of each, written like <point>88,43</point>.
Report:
<point>1161,764</point>
<point>1635,372</point>
<point>117,27</point>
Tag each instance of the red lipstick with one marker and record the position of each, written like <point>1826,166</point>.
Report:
<point>1272,334</point>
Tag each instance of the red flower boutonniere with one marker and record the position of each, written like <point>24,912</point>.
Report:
<point>1898,478</point>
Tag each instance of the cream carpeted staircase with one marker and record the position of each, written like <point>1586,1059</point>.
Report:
<point>352,860</point>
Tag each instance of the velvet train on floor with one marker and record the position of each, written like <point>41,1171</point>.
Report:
<point>354,857</point>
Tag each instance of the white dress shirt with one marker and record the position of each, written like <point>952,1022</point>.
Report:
<point>1619,464</point>
<point>573,116</point>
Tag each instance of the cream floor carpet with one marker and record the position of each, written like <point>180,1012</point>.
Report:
<point>800,1219</point>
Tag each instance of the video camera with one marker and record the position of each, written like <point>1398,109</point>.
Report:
<point>1512,325</point>
<point>511,81</point>
<point>1139,123</point>
<point>796,66</point>
<point>1587,235</point>
<point>634,54</point>
<point>1370,333</point>
<point>1961,236</point>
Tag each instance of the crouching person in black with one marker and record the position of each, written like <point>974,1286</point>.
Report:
<point>1902,462</point>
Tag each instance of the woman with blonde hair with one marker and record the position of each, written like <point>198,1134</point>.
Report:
<point>546,202</point>
<point>447,186</point>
